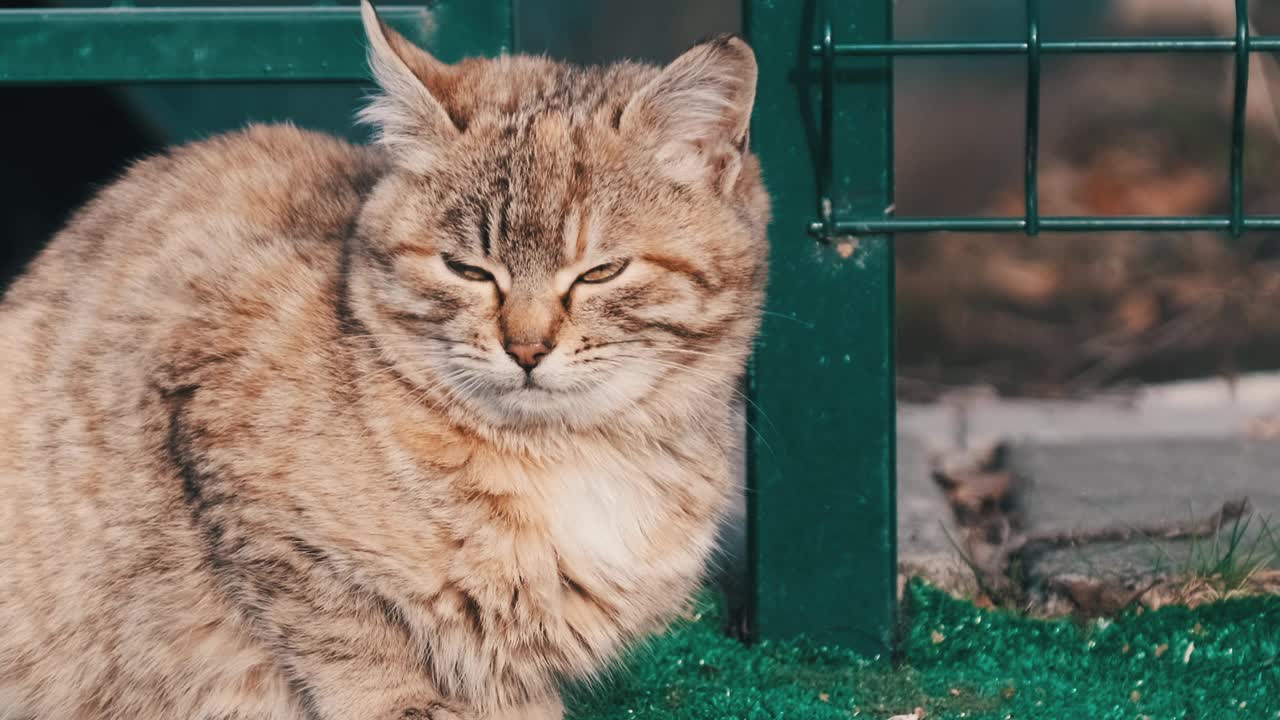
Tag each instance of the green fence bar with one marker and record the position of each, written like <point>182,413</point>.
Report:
<point>1032,165</point>
<point>1056,47</point>
<point>1220,223</point>
<point>821,501</point>
<point>228,44</point>
<point>1240,102</point>
<point>833,224</point>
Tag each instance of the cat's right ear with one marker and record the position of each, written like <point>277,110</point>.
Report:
<point>696,112</point>
<point>408,114</point>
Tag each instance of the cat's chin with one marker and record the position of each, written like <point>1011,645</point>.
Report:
<point>535,406</point>
<point>552,397</point>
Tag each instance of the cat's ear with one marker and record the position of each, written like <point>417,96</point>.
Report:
<point>408,114</point>
<point>697,112</point>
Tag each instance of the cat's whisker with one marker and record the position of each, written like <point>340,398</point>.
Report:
<point>417,394</point>
<point>783,316</point>
<point>709,396</point>
<point>716,356</point>
<point>735,391</point>
<point>720,381</point>
<point>400,344</point>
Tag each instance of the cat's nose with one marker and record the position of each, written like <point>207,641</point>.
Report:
<point>528,355</point>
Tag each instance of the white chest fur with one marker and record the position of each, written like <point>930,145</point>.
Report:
<point>609,515</point>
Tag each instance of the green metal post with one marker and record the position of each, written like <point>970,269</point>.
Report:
<point>191,71</point>
<point>821,501</point>
<point>273,43</point>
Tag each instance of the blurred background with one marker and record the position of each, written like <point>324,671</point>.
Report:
<point>1062,346</point>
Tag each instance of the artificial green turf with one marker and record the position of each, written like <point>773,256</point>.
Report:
<point>1216,662</point>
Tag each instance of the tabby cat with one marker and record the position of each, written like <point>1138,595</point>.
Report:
<point>296,429</point>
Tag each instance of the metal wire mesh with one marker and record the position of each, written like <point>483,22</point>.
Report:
<point>830,225</point>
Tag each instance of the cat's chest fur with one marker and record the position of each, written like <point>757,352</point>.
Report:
<point>601,514</point>
<point>612,515</point>
<point>589,550</point>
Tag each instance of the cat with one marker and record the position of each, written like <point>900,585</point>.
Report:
<point>297,429</point>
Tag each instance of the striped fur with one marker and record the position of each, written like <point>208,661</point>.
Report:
<point>264,455</point>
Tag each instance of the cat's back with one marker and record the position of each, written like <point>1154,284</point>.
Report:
<point>200,209</point>
<point>207,233</point>
<point>196,247</point>
<point>219,226</point>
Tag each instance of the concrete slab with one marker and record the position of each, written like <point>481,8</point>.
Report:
<point>1161,453</point>
<point>1104,484</point>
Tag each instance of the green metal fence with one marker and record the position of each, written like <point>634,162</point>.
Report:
<point>190,69</point>
<point>823,510</point>
<point>829,49</point>
<point>277,43</point>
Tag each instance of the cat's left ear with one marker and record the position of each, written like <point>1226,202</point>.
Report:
<point>697,112</point>
<point>410,113</point>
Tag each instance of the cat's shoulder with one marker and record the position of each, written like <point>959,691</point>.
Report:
<point>273,197</point>
<point>218,194</point>
<point>249,159</point>
<point>277,177</point>
<point>256,147</point>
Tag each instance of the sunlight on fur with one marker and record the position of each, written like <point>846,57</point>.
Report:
<point>296,429</point>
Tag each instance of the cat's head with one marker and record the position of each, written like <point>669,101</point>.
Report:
<point>558,245</point>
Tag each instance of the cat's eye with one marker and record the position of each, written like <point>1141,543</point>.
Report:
<point>470,272</point>
<point>604,273</point>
